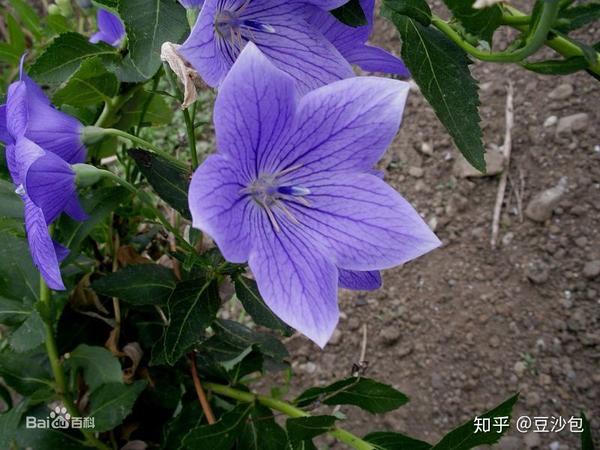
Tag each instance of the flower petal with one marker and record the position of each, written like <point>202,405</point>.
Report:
<point>17,114</point>
<point>50,184</point>
<point>111,29</point>
<point>375,59</point>
<point>4,136</point>
<point>61,251</point>
<point>359,281</point>
<point>20,157</point>
<point>253,112</point>
<point>297,282</point>
<point>219,209</point>
<point>362,222</point>
<point>41,246</point>
<point>345,126</point>
<point>74,209</point>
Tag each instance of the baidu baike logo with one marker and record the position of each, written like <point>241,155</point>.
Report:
<point>58,419</point>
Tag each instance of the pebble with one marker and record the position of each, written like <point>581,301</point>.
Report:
<point>561,92</point>
<point>415,172</point>
<point>427,148</point>
<point>494,161</point>
<point>538,272</point>
<point>592,269</point>
<point>572,123</point>
<point>550,121</point>
<point>390,335</point>
<point>308,367</point>
<point>541,206</point>
<point>532,440</point>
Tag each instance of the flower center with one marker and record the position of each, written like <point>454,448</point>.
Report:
<point>232,27</point>
<point>272,194</point>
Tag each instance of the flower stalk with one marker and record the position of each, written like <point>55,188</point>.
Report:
<point>289,410</point>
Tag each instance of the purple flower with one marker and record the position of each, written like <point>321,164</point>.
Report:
<point>351,42</point>
<point>192,3</point>
<point>279,29</point>
<point>110,29</point>
<point>291,189</point>
<point>44,180</point>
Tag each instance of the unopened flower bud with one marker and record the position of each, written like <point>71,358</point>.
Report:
<point>87,175</point>
<point>92,135</point>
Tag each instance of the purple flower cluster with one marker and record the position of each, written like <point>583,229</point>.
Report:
<point>41,145</point>
<point>292,189</point>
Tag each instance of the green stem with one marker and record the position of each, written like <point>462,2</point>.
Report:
<point>57,370</point>
<point>191,134</point>
<point>289,410</point>
<point>137,140</point>
<point>516,21</point>
<point>148,101</point>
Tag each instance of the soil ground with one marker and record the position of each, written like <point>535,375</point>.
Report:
<point>465,327</point>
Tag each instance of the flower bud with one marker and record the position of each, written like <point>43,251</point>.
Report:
<point>92,135</point>
<point>87,175</point>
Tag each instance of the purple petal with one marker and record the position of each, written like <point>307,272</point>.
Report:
<point>219,208</point>
<point>20,157</point>
<point>343,36</point>
<point>41,246</point>
<point>362,222</point>
<point>254,112</point>
<point>375,59</point>
<point>4,136</point>
<point>16,110</point>
<point>359,281</point>
<point>35,94</point>
<point>50,184</point>
<point>291,44</point>
<point>110,29</point>
<point>61,251</point>
<point>296,281</point>
<point>74,209</point>
<point>345,126</point>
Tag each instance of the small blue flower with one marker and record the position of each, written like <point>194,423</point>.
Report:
<point>110,29</point>
<point>292,190</point>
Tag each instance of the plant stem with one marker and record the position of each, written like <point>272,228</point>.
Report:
<point>57,370</point>
<point>289,410</point>
<point>137,140</point>
<point>191,134</point>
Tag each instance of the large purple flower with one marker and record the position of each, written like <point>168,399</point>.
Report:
<point>351,42</point>
<point>279,29</point>
<point>43,179</point>
<point>291,189</point>
<point>110,29</point>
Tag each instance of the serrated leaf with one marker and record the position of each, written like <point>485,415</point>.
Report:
<point>479,22</point>
<point>306,428</point>
<point>415,9</point>
<point>385,440</point>
<point>466,437</point>
<point>149,23</point>
<point>170,180</point>
<point>558,67</point>
<point>91,84</point>
<point>247,292</point>
<point>65,54</point>
<point>365,393</point>
<point>192,307</point>
<point>111,403</point>
<point>351,14</point>
<point>221,435</point>
<point>99,365</point>
<point>9,423</point>
<point>587,441</point>
<point>157,112</point>
<point>441,69</point>
<point>26,373</point>
<point>261,432</point>
<point>29,335</point>
<point>142,284</point>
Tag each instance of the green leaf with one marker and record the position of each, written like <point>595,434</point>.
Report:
<point>11,205</point>
<point>365,393</point>
<point>578,16</point>
<point>59,24</point>
<point>261,432</point>
<point>171,181</point>
<point>306,428</point>
<point>16,36</point>
<point>8,54</point>
<point>9,423</point>
<point>149,23</point>
<point>247,292</point>
<point>587,441</point>
<point>441,69</point>
<point>192,307</point>
<point>415,9</point>
<point>111,403</point>
<point>98,204</point>
<point>465,437</point>
<point>395,441</point>
<point>26,373</point>
<point>29,335</point>
<point>190,417</point>
<point>479,22</point>
<point>65,54</point>
<point>157,112</point>
<point>13,312</point>
<point>91,84</point>
<point>99,365</point>
<point>558,66</point>
<point>19,279</point>
<point>221,435</point>
<point>351,14</point>
<point>143,284</point>
<point>28,16</point>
